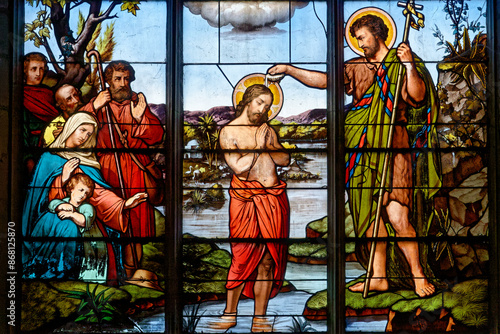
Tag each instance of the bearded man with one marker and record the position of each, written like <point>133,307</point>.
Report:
<point>258,210</point>
<point>140,129</point>
<point>68,101</point>
<point>371,80</point>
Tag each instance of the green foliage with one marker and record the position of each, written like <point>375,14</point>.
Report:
<point>466,59</point>
<point>375,300</point>
<point>130,6</point>
<point>204,267</point>
<point>105,46</point>
<point>467,301</point>
<point>304,249</point>
<point>189,132</point>
<point>457,12</point>
<point>208,138</point>
<point>196,250</point>
<point>153,259</point>
<point>316,130</point>
<point>41,304</point>
<point>39,30</point>
<point>430,304</point>
<point>94,307</point>
<point>219,257</point>
<point>301,175</point>
<point>320,225</point>
<point>139,292</point>
<point>317,301</point>
<point>297,156</point>
<point>196,202</point>
<point>439,247</point>
<point>216,193</point>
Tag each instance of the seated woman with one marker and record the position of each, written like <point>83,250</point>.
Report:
<point>50,177</point>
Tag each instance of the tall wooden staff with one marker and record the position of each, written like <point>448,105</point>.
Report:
<point>96,54</point>
<point>409,10</point>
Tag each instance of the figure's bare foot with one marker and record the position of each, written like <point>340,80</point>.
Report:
<point>226,321</point>
<point>376,284</point>
<point>261,324</point>
<point>423,288</point>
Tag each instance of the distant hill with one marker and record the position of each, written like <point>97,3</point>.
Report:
<point>307,117</point>
<point>159,110</point>
<point>223,115</point>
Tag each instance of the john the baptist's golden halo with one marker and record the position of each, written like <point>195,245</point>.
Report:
<point>353,43</point>
<point>259,78</point>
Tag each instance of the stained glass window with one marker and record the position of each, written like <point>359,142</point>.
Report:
<point>186,166</point>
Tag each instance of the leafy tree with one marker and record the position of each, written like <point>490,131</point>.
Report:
<point>52,21</point>
<point>208,137</point>
<point>457,11</point>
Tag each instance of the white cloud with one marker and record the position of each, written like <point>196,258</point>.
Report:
<point>245,15</point>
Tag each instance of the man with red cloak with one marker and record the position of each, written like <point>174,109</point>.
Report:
<point>140,129</point>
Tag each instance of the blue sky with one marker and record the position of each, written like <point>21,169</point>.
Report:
<point>142,41</point>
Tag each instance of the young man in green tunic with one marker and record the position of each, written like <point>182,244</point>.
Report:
<point>371,81</point>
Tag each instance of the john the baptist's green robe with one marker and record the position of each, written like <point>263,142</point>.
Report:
<point>366,134</point>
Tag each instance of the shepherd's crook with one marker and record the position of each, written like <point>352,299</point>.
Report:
<point>96,54</point>
<point>409,11</point>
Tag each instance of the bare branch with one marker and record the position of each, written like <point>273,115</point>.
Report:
<point>110,9</point>
<point>93,20</point>
<point>52,58</point>
<point>67,11</point>
<point>77,3</point>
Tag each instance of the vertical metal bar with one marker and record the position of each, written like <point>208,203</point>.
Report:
<point>493,93</point>
<point>173,199</point>
<point>336,169</point>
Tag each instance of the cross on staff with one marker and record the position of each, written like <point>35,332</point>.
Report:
<point>410,10</point>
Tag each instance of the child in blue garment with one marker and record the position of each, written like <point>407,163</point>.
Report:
<point>71,217</point>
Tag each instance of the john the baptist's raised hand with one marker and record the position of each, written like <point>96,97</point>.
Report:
<point>135,200</point>
<point>69,168</point>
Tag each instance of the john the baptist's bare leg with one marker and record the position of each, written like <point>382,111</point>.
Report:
<point>399,218</point>
<point>379,278</point>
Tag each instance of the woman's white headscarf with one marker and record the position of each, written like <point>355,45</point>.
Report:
<point>74,121</point>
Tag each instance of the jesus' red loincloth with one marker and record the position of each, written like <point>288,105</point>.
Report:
<point>257,213</point>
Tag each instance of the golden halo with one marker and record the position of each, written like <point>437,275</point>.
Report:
<point>259,78</point>
<point>353,43</point>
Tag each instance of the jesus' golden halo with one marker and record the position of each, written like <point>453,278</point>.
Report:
<point>389,22</point>
<point>259,78</point>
